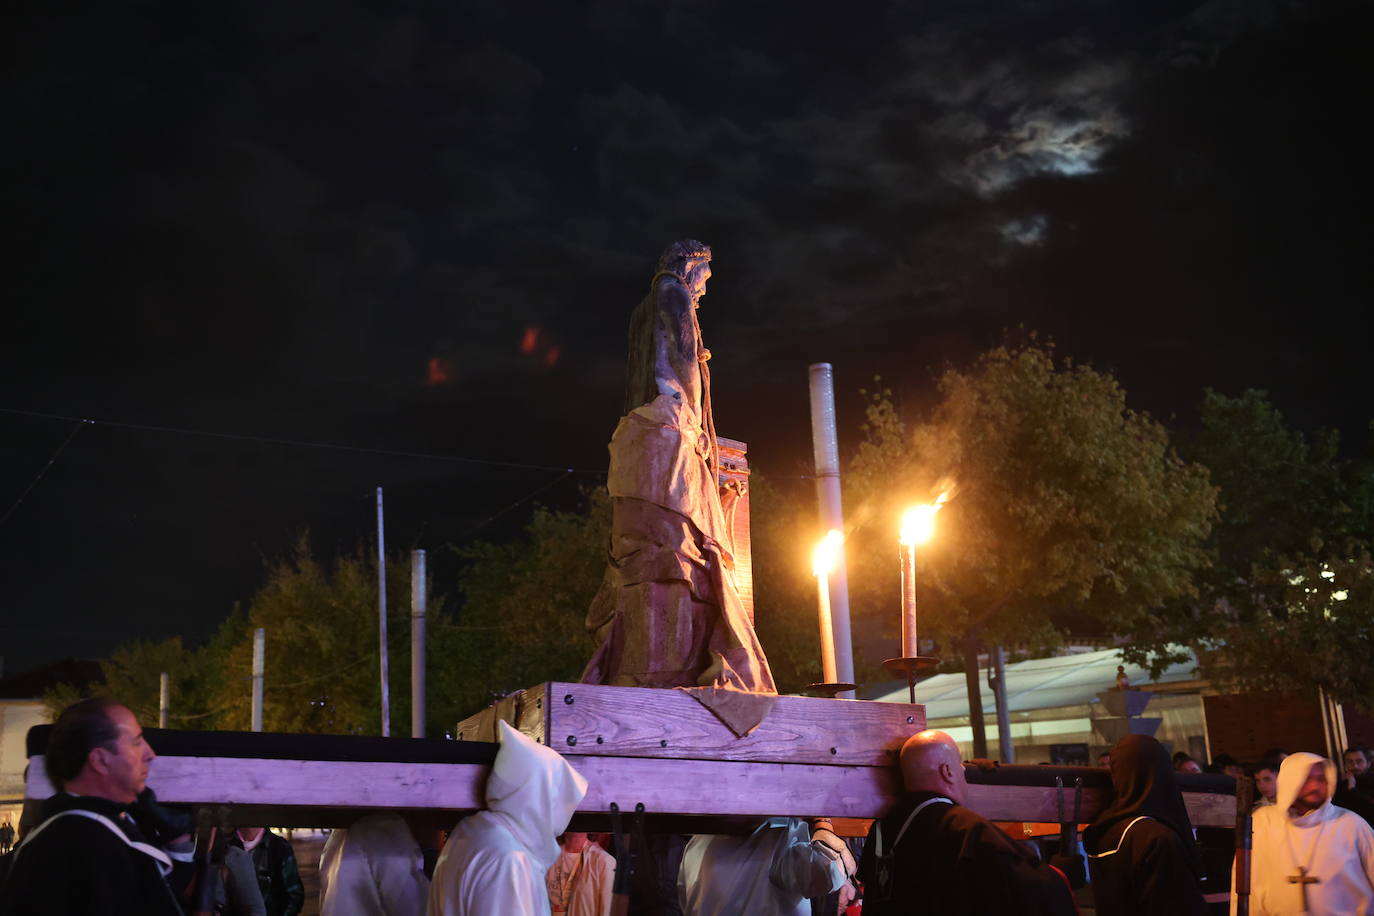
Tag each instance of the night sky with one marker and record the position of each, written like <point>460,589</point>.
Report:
<point>421,228</point>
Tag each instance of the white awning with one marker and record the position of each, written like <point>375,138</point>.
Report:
<point>1039,683</point>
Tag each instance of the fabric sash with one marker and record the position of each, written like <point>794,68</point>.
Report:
<point>164,862</point>
<point>911,817</point>
<point>1112,852</point>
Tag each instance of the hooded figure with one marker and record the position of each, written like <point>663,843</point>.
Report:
<point>1309,855</point>
<point>771,872</point>
<point>1141,849</point>
<point>495,860</point>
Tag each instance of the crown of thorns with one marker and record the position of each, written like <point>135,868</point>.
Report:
<point>685,250</point>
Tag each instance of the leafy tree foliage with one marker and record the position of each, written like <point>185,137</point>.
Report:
<point>1066,507</point>
<point>1064,502</point>
<point>321,647</point>
<point>1287,604</point>
<point>524,607</point>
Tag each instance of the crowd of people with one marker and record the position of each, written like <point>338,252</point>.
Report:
<point>104,845</point>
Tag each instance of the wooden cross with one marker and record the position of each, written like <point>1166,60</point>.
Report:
<point>1301,879</point>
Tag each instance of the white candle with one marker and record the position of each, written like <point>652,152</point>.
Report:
<point>910,647</point>
<point>918,524</point>
<point>822,561</point>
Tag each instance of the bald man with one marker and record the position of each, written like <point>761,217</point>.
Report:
<point>930,854</point>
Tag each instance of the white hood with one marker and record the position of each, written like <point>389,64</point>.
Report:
<point>534,791</point>
<point>1293,773</point>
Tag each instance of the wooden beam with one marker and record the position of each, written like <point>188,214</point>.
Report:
<point>715,788</point>
<point>306,783</point>
<point>595,720</point>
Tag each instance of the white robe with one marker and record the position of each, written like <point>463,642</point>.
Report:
<point>587,879</point>
<point>374,868</point>
<point>771,872</point>
<point>495,860</point>
<point>1333,844</point>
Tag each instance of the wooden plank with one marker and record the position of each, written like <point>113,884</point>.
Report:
<point>664,787</point>
<point>596,720</point>
<point>523,709</point>
<point>303,783</point>
<point>734,788</point>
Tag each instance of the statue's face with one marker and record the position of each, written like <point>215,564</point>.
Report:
<point>698,272</point>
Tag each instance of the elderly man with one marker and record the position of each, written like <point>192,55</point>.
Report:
<point>1309,855</point>
<point>87,856</point>
<point>931,854</point>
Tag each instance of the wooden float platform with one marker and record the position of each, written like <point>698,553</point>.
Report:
<point>636,746</point>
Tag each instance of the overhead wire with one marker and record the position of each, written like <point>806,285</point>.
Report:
<point>300,443</point>
<point>44,470</point>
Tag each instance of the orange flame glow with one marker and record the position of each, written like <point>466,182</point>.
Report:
<point>918,522</point>
<point>827,552</point>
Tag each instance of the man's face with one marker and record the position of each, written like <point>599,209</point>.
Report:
<point>1190,766</point>
<point>1314,791</point>
<point>1356,763</point>
<point>574,842</point>
<point>124,765</point>
<point>698,272</point>
<point>1267,781</point>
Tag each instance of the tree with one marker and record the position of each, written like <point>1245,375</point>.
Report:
<point>1287,604</point>
<point>322,657</point>
<point>1065,504</point>
<point>524,606</point>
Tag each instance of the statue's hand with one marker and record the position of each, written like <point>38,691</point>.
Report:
<point>703,355</point>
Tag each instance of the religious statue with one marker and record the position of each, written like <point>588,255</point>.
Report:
<point>668,613</point>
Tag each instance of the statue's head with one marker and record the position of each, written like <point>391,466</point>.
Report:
<point>689,261</point>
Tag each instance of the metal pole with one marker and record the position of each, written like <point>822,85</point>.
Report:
<point>417,643</point>
<point>164,696</point>
<point>381,615</point>
<point>259,671</point>
<point>825,444</point>
<point>999,693</point>
<point>975,697</point>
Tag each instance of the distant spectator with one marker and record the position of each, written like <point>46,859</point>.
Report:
<point>1185,764</point>
<point>1228,766</point>
<point>1104,759</point>
<point>1355,786</point>
<point>6,837</point>
<point>275,862</point>
<point>1266,782</point>
<point>580,880</point>
<point>1357,775</point>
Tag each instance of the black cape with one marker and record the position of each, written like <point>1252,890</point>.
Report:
<point>1155,868</point>
<point>952,862</point>
<point>77,867</point>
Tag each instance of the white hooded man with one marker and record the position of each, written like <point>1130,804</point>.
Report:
<point>495,860</point>
<point>1310,856</point>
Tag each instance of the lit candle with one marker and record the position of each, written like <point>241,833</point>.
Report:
<point>822,561</point>
<point>918,524</point>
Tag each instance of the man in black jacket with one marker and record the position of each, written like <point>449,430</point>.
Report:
<point>278,877</point>
<point>930,854</point>
<point>87,856</point>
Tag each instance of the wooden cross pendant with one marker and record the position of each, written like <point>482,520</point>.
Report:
<point>1302,879</point>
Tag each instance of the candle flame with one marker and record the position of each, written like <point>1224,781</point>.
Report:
<point>918,523</point>
<point>827,552</point>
